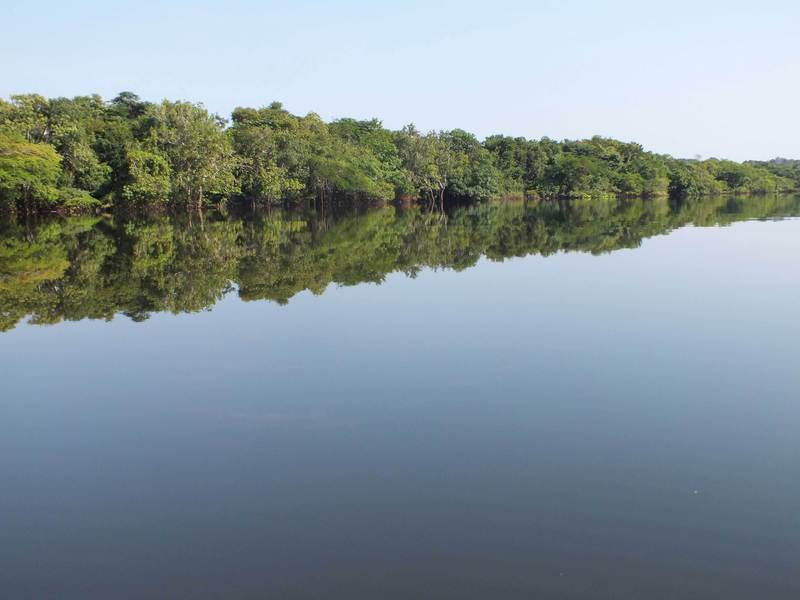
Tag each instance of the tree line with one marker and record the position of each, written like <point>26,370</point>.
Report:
<point>98,266</point>
<point>83,153</point>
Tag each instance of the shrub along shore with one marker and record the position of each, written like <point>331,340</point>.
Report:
<point>84,154</point>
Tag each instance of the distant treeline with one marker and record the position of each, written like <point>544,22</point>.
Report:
<point>84,153</point>
<point>99,266</point>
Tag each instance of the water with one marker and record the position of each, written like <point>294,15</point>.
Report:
<point>574,400</point>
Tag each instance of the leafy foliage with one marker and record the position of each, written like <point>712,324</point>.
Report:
<point>28,173</point>
<point>196,147</point>
<point>149,180</point>
<point>131,152</point>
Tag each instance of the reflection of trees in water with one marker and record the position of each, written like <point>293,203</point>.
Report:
<point>90,267</point>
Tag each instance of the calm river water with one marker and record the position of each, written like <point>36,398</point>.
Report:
<point>595,399</point>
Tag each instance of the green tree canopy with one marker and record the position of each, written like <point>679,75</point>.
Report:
<point>28,173</point>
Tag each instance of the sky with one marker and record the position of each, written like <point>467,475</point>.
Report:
<point>684,78</point>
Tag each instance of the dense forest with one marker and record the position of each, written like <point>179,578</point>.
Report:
<point>99,266</point>
<point>85,154</point>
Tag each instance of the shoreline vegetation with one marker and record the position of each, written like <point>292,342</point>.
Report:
<point>87,155</point>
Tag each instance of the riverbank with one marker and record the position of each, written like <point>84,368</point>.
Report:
<point>85,154</point>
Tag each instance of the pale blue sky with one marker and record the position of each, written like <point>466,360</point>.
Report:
<point>685,78</point>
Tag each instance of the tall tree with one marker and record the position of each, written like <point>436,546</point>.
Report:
<point>198,149</point>
<point>28,173</point>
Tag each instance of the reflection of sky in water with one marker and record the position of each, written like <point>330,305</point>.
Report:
<point>540,426</point>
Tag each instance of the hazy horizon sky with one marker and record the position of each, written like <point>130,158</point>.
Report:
<point>683,78</point>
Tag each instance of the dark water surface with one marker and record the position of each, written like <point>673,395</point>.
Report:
<point>545,400</point>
